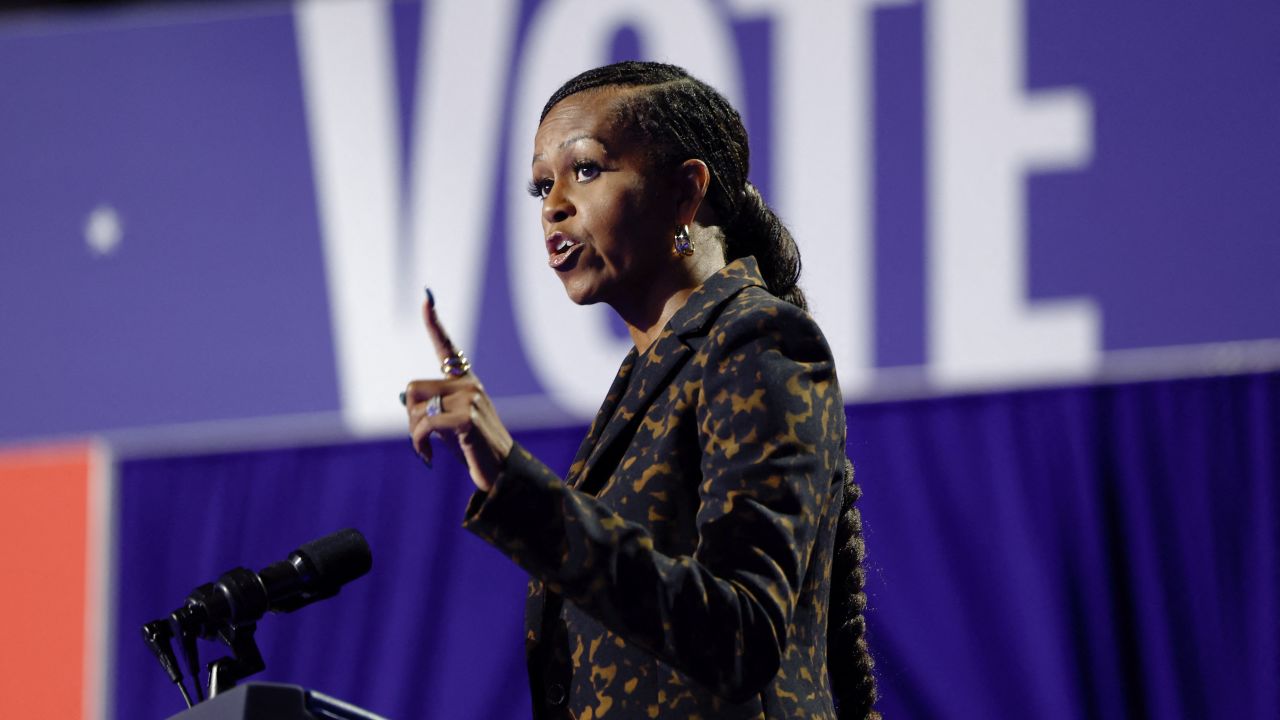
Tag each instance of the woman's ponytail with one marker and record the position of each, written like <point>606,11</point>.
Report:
<point>757,231</point>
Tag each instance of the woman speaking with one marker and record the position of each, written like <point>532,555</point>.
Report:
<point>702,557</point>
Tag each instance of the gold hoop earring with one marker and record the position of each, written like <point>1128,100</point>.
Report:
<point>683,244</point>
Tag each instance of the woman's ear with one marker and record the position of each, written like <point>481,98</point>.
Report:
<point>693,181</point>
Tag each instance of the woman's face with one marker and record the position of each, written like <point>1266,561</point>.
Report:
<point>606,222</point>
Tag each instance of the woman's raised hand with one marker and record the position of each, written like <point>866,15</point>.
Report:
<point>456,408</point>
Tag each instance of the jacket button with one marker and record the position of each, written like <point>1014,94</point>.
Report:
<point>556,694</point>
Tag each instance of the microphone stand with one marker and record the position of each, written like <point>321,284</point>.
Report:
<point>244,661</point>
<point>225,672</point>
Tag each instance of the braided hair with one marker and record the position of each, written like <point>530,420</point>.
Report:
<point>848,657</point>
<point>681,117</point>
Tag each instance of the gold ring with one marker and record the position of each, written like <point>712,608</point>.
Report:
<point>456,365</point>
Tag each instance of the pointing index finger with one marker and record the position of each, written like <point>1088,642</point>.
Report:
<point>440,339</point>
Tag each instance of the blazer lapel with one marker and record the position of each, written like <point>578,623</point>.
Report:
<point>606,412</point>
<point>641,378</point>
<point>663,358</point>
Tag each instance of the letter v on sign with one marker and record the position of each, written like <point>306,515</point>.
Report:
<point>346,55</point>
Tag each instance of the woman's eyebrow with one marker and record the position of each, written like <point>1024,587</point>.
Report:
<point>571,140</point>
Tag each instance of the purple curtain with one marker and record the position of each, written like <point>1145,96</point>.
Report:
<point>1099,552</point>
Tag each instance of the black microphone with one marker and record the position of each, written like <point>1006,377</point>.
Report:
<point>315,571</point>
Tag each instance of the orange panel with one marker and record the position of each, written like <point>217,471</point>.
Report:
<point>44,505</point>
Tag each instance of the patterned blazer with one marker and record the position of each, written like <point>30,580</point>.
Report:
<point>682,569</point>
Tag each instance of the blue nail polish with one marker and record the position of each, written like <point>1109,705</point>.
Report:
<point>431,299</point>
<point>404,399</point>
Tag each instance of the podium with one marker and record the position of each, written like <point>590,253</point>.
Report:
<point>273,701</point>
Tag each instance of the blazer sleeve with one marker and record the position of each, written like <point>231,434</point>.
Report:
<point>769,448</point>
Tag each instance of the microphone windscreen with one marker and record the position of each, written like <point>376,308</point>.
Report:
<point>338,558</point>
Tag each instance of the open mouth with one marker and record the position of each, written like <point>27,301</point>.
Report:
<point>561,247</point>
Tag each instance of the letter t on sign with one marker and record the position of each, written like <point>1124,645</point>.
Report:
<point>983,135</point>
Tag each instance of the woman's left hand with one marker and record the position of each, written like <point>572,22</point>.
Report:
<point>463,413</point>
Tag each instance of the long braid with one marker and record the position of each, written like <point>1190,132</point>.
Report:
<point>848,658</point>
<point>680,118</point>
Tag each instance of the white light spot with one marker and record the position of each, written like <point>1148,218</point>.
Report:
<point>103,230</point>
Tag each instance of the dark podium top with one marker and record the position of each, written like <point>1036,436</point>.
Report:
<point>274,701</point>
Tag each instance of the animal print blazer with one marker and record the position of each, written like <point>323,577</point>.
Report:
<point>682,569</point>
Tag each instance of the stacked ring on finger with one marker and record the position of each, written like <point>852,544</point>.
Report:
<point>435,406</point>
<point>456,365</point>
